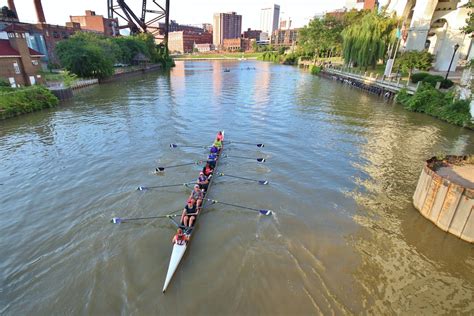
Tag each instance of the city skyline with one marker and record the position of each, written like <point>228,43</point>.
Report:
<point>299,10</point>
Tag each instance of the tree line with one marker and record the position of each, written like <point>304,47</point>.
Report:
<point>92,55</point>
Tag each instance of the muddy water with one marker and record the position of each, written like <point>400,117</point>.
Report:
<point>342,166</point>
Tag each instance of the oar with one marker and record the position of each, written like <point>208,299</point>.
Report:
<point>159,169</point>
<point>118,220</point>
<point>140,188</point>
<point>248,179</point>
<point>258,145</point>
<point>190,146</point>
<point>258,159</point>
<point>263,212</point>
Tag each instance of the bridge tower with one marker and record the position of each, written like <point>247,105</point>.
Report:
<point>152,11</point>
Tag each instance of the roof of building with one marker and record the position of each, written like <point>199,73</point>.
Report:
<point>15,28</point>
<point>7,50</point>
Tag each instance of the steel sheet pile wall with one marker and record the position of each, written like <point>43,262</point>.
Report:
<point>448,205</point>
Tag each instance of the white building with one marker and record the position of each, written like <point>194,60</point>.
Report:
<point>270,19</point>
<point>434,25</point>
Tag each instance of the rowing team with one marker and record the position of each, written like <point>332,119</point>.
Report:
<point>193,206</point>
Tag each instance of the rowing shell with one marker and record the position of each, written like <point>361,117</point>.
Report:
<point>179,249</point>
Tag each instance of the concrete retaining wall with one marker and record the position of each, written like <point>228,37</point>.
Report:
<point>448,205</point>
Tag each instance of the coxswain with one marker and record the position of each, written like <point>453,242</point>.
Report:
<point>208,170</point>
<point>189,213</point>
<point>219,136</point>
<point>203,181</point>
<point>180,238</point>
<point>197,195</point>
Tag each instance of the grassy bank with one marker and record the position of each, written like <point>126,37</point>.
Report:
<point>24,100</point>
<point>438,104</point>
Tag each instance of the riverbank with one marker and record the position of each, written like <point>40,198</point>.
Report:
<point>218,56</point>
<point>422,97</point>
<point>16,101</point>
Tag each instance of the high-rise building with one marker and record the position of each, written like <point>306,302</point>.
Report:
<point>269,19</point>
<point>226,25</point>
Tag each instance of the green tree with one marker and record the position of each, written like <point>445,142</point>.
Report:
<point>84,56</point>
<point>321,36</point>
<point>410,60</point>
<point>128,48</point>
<point>469,28</point>
<point>365,43</point>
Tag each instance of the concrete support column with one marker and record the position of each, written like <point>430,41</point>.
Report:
<point>420,24</point>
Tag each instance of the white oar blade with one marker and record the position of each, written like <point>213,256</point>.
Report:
<point>266,212</point>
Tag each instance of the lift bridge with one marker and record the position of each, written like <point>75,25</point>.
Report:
<point>152,12</point>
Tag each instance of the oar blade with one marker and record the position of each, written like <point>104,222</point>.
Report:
<point>116,220</point>
<point>160,169</point>
<point>173,145</point>
<point>262,160</point>
<point>142,188</point>
<point>266,212</point>
<point>260,145</point>
<point>263,182</point>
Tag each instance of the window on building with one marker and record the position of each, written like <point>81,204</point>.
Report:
<point>34,62</point>
<point>17,68</point>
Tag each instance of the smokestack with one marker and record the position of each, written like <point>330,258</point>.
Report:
<point>11,6</point>
<point>39,11</point>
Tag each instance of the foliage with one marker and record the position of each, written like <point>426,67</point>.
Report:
<point>92,55</point>
<point>84,55</point>
<point>469,28</point>
<point>25,100</point>
<point>287,59</point>
<point>321,37</point>
<point>127,48</point>
<point>4,83</point>
<point>366,42</point>
<point>419,76</point>
<point>438,104</point>
<point>410,60</point>
<point>431,79</point>
<point>314,70</point>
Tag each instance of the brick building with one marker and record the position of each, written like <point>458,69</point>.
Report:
<point>19,64</point>
<point>226,26</point>
<point>238,44</point>
<point>285,37</point>
<point>183,41</point>
<point>98,23</point>
<point>252,34</point>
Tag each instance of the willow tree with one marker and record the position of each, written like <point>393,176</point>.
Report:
<point>366,43</point>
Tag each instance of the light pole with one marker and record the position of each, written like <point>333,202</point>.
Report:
<point>451,62</point>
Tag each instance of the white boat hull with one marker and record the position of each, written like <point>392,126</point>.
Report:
<point>176,255</point>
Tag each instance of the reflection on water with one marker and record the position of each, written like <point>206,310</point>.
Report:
<point>342,167</point>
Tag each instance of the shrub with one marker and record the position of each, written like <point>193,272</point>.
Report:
<point>446,84</point>
<point>438,104</point>
<point>432,80</point>
<point>24,100</point>
<point>419,76</point>
<point>314,70</point>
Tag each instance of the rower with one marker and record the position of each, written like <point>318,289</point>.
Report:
<point>211,159</point>
<point>189,213</point>
<point>203,181</point>
<point>219,136</point>
<point>217,143</point>
<point>214,150</point>
<point>180,238</point>
<point>208,170</point>
<point>197,195</point>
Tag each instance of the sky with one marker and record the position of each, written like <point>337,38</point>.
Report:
<point>183,11</point>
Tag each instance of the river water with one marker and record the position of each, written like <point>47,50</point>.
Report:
<point>342,165</point>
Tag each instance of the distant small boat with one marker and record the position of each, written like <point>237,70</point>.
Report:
<point>227,70</point>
